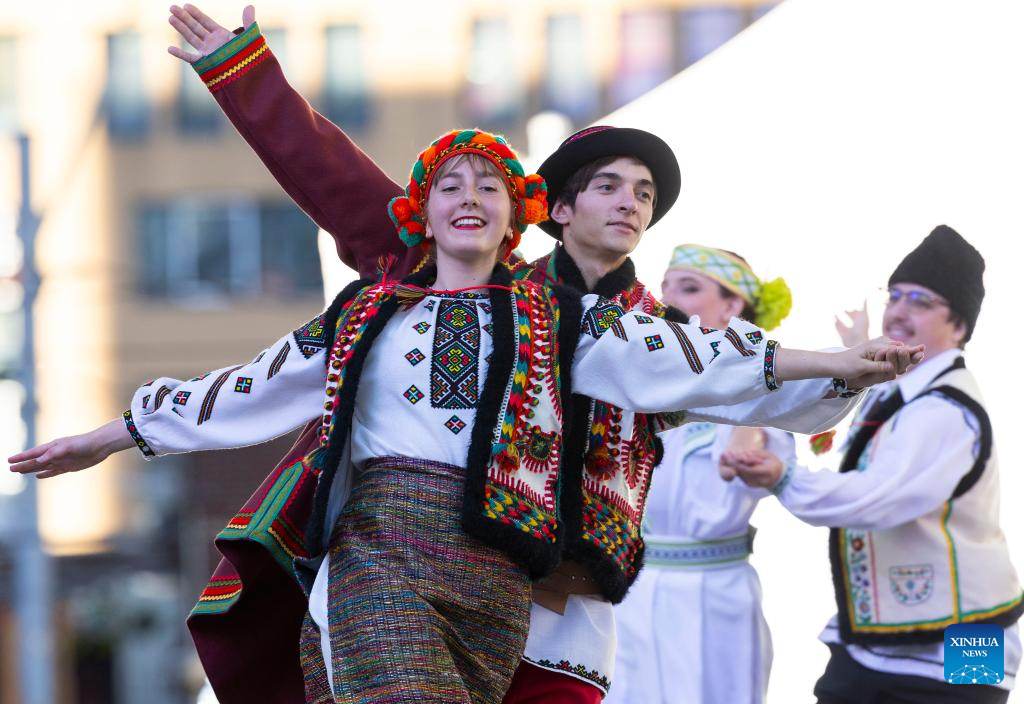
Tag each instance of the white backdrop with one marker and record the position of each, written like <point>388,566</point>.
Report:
<point>823,144</point>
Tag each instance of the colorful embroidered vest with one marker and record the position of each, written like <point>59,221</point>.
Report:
<point>610,453</point>
<point>511,497</point>
<point>906,584</point>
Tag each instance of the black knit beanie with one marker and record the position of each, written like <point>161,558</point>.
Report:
<point>947,263</point>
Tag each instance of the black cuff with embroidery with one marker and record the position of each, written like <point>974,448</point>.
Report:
<point>770,380</point>
<point>842,390</point>
<point>137,436</point>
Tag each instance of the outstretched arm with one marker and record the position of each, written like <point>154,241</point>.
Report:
<point>241,405</point>
<point>313,160</point>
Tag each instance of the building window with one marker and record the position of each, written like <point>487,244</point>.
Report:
<point>646,54</point>
<point>346,101</point>
<point>494,90</point>
<point>703,30</point>
<point>195,249</point>
<point>8,85</point>
<point>125,100</point>
<point>197,111</point>
<point>570,86</point>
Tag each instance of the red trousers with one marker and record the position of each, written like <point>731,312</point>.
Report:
<point>535,685</point>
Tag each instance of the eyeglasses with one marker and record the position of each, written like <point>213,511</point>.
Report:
<point>916,300</point>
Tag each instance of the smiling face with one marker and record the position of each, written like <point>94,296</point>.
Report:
<point>917,315</point>
<point>697,294</point>
<point>469,210</point>
<point>612,211</point>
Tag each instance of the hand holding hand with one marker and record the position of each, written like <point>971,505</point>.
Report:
<point>73,453</point>
<point>857,331</point>
<point>877,360</point>
<point>201,32</point>
<point>756,468</point>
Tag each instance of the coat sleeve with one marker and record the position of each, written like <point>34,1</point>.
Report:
<point>932,446</point>
<point>647,364</point>
<point>246,404</point>
<point>313,160</point>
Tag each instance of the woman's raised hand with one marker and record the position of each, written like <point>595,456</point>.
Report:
<point>201,32</point>
<point>73,453</point>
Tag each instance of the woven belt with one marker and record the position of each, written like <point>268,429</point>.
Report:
<point>677,553</point>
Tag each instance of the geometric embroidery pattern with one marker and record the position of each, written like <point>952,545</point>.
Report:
<point>755,337</point>
<point>689,351</point>
<point>455,424</point>
<point>312,337</point>
<point>206,410</point>
<point>654,343</point>
<point>734,338</point>
<point>145,401</point>
<point>413,395</point>
<point>455,358</point>
<point>278,362</point>
<point>602,317</point>
<point>414,356</point>
<point>243,384</point>
<point>643,319</point>
<point>181,398</point>
<point>161,394</point>
<point>421,327</point>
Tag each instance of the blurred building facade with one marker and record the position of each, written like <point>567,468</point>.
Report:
<point>166,249</point>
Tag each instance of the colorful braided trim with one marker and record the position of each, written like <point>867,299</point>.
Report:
<point>578,671</point>
<point>218,596</point>
<point>140,441</point>
<point>770,380</point>
<point>232,60</point>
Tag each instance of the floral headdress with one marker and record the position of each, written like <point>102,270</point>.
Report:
<point>771,300</point>
<point>529,193</point>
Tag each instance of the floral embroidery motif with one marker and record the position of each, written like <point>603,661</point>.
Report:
<point>912,584</point>
<point>243,384</point>
<point>455,424</point>
<point>455,360</point>
<point>593,676</point>
<point>858,572</point>
<point>654,343</point>
<point>413,395</point>
<point>312,337</point>
<point>414,356</point>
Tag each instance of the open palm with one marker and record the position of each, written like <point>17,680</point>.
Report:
<point>201,32</point>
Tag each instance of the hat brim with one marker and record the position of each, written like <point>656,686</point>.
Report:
<point>652,150</point>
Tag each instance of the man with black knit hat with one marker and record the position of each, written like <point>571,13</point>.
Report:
<point>915,543</point>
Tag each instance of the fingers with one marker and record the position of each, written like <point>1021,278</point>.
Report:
<point>30,453</point>
<point>183,29</point>
<point>202,19</point>
<point>248,16</point>
<point>186,56</point>
<point>190,17</point>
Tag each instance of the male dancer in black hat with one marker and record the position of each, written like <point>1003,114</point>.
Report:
<point>914,510</point>
<point>606,186</point>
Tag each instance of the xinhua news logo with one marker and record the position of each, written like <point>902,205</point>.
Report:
<point>973,654</point>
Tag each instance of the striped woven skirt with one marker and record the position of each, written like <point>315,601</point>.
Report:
<point>418,610</point>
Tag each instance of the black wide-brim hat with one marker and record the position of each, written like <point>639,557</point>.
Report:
<point>602,141</point>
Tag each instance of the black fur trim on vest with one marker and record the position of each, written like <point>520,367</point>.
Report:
<point>610,285</point>
<point>343,414</point>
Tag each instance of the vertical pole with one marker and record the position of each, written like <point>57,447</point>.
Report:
<point>32,566</point>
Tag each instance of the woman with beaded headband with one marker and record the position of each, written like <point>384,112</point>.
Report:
<point>432,499</point>
<point>698,579</point>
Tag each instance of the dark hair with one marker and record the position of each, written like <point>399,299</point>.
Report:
<point>578,182</point>
<point>958,319</point>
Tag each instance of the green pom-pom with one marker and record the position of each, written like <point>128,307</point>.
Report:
<point>774,304</point>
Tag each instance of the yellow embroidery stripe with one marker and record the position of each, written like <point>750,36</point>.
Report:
<point>237,67</point>
<point>953,573</point>
<point>221,597</point>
